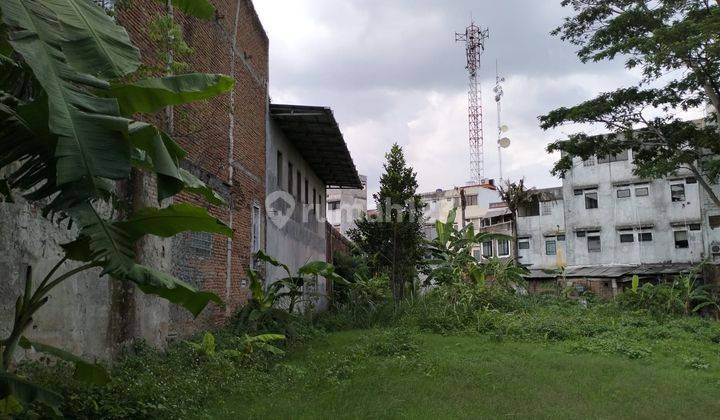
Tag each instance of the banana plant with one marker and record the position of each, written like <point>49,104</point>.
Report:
<point>450,252</point>
<point>72,126</point>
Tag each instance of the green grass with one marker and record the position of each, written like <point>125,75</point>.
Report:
<point>474,377</point>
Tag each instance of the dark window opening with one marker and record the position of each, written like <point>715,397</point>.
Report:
<point>591,200</point>
<point>279,168</point>
<point>695,226</point>
<point>560,238</point>
<point>691,180</point>
<point>299,186</point>
<point>524,245</point>
<point>580,234</point>
<point>503,247</point>
<point>627,238</point>
<point>642,192</point>
<point>593,243</point>
<point>333,205</point>
<point>307,194</point>
<point>531,209</point>
<point>471,200</point>
<point>487,249</point>
<point>578,192</point>
<point>677,192</point>
<point>714,221</point>
<point>290,178</point>
<point>681,239</point>
<point>645,237</point>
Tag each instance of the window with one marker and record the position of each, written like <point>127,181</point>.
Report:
<point>279,168</point>
<point>333,205</point>
<point>503,248</point>
<point>589,161</point>
<point>532,209</point>
<point>677,192</point>
<point>627,238</point>
<point>695,226</point>
<point>645,237</point>
<point>593,243</point>
<point>691,180</point>
<point>714,221</point>
<point>255,232</point>
<point>560,238</point>
<point>476,253</point>
<point>550,247</point>
<point>201,243</point>
<point>623,193</point>
<point>591,200</point>
<point>681,239</point>
<point>642,192</point>
<point>290,177</point>
<point>546,208</point>
<point>580,234</point>
<point>614,158</point>
<point>320,204</point>
<point>306,191</point>
<point>314,201</point>
<point>471,200</point>
<point>578,192</point>
<point>299,186</point>
<point>487,249</point>
<point>523,244</point>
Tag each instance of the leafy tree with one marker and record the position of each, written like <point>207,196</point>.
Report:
<point>394,238</point>
<point>70,134</point>
<point>516,196</point>
<point>676,45</point>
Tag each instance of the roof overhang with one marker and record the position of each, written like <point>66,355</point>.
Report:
<point>314,132</point>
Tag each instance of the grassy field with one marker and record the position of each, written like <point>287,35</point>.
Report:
<point>376,374</point>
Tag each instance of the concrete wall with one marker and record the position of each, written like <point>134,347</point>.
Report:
<point>351,205</point>
<point>301,238</point>
<point>661,216</point>
<point>549,225</point>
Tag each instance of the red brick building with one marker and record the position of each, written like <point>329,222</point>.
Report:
<point>225,141</point>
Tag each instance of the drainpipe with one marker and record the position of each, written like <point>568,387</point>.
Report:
<point>231,152</point>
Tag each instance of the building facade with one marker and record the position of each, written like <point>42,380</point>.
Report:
<point>346,205</point>
<point>306,153</point>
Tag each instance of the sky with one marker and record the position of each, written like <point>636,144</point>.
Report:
<point>392,72</point>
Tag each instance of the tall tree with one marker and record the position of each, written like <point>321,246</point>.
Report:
<point>676,44</point>
<point>394,238</point>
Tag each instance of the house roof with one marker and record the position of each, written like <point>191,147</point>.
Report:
<point>613,271</point>
<point>314,131</point>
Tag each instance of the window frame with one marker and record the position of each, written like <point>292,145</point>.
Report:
<point>523,242</point>
<point>279,168</point>
<point>626,235</point>
<point>643,237</point>
<point>684,243</point>
<point>587,203</point>
<point>678,199</point>
<point>484,245</point>
<point>599,242</point>
<point>506,247</point>
<point>552,242</point>
<point>629,193</point>
<point>645,188</point>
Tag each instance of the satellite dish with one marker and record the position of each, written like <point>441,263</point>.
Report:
<point>504,142</point>
<point>504,128</point>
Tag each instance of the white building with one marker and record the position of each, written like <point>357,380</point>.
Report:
<point>346,205</point>
<point>305,153</point>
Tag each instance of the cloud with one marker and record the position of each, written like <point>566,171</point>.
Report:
<point>392,72</point>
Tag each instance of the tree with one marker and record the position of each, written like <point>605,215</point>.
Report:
<point>676,45</point>
<point>516,196</point>
<point>70,134</point>
<point>394,239</point>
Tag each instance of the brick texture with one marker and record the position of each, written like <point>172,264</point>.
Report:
<point>208,133</point>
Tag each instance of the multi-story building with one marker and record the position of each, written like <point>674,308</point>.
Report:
<point>306,153</point>
<point>605,224</point>
<point>346,205</point>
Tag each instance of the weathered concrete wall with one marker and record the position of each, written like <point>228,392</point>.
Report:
<point>301,238</point>
<point>549,225</point>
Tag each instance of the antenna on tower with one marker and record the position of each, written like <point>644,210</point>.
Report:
<point>474,38</point>
<point>502,142</point>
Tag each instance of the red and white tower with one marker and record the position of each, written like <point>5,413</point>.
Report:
<point>474,38</point>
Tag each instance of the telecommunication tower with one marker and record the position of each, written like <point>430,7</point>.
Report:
<point>474,38</point>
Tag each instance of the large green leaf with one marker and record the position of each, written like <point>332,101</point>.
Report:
<point>84,371</point>
<point>162,155</point>
<point>171,220</point>
<point>195,186</point>
<point>199,8</point>
<point>166,286</point>
<point>150,95</point>
<point>91,133</point>
<point>93,42</point>
<point>26,392</point>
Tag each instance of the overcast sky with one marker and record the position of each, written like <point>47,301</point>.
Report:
<point>392,72</point>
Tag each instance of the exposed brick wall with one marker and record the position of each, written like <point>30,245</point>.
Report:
<point>203,129</point>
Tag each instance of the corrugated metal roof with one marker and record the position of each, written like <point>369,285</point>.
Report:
<point>613,271</point>
<point>315,133</point>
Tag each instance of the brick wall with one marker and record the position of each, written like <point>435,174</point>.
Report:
<point>212,131</point>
